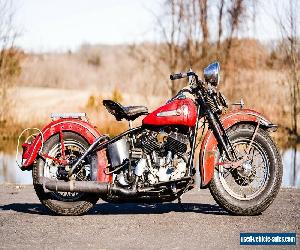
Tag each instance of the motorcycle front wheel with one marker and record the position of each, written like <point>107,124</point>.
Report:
<point>63,203</point>
<point>250,188</point>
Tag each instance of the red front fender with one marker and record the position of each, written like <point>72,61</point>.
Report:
<point>208,150</point>
<point>66,124</point>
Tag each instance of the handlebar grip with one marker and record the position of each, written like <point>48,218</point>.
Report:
<point>178,76</point>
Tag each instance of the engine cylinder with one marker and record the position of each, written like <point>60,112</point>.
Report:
<point>177,143</point>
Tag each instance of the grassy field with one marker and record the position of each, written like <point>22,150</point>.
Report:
<point>79,81</point>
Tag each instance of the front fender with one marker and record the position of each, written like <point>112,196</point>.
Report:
<point>78,126</point>
<point>208,150</point>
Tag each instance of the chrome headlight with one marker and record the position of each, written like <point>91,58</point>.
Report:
<point>212,73</point>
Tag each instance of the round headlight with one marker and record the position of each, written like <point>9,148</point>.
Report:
<point>212,73</point>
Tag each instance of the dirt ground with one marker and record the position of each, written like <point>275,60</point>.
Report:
<point>25,224</point>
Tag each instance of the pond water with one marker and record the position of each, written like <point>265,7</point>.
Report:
<point>11,173</point>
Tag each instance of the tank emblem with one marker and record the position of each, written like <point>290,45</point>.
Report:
<point>169,113</point>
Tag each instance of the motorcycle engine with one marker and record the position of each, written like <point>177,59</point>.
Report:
<point>166,156</point>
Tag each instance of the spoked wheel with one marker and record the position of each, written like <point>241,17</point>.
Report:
<point>248,189</point>
<point>64,203</point>
<point>73,150</point>
<point>249,180</point>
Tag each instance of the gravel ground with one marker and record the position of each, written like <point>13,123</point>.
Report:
<point>25,224</point>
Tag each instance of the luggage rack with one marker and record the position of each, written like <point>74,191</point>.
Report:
<point>81,116</point>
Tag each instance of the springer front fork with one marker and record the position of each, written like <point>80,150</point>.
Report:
<point>221,136</point>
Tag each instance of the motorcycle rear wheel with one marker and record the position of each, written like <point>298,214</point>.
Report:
<point>235,189</point>
<point>59,203</point>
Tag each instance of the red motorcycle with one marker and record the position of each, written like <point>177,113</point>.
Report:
<point>73,165</point>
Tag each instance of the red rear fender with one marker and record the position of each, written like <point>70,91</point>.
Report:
<point>30,151</point>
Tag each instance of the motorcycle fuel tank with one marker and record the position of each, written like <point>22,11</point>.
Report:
<point>177,112</point>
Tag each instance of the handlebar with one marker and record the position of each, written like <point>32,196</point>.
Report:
<point>181,75</point>
<point>177,76</point>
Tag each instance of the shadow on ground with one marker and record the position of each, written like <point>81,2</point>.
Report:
<point>125,208</point>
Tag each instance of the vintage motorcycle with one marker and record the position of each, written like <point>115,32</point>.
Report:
<point>73,165</point>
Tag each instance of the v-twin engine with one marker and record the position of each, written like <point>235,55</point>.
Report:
<point>166,156</point>
<point>156,157</point>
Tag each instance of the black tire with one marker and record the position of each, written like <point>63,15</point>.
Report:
<point>81,203</point>
<point>256,205</point>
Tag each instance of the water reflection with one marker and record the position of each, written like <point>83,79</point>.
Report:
<point>291,166</point>
<point>10,172</point>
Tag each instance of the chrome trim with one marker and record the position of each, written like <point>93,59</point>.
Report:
<point>241,103</point>
<point>169,113</point>
<point>212,73</point>
<point>68,115</point>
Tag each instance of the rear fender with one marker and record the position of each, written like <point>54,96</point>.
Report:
<point>209,145</point>
<point>86,130</point>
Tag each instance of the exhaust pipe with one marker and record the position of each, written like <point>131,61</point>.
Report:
<point>122,192</point>
<point>75,186</point>
<point>85,186</point>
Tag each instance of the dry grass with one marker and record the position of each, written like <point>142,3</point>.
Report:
<point>33,106</point>
<point>67,82</point>
<point>119,69</point>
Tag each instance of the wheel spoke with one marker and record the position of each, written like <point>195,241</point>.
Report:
<point>250,187</point>
<point>228,172</point>
<point>244,184</point>
<point>73,150</point>
<point>251,158</point>
<point>242,187</point>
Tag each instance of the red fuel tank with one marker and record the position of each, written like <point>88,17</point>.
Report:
<point>177,112</point>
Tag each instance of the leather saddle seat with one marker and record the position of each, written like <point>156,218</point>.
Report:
<point>128,113</point>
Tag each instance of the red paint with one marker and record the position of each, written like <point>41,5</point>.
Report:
<point>209,145</point>
<point>102,165</point>
<point>63,149</point>
<point>62,162</point>
<point>30,151</point>
<point>183,112</point>
<point>25,153</point>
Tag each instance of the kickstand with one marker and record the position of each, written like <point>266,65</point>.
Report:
<point>180,204</point>
<point>180,193</point>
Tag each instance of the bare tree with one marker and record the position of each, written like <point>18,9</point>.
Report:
<point>9,61</point>
<point>172,33</point>
<point>186,32</point>
<point>204,26</point>
<point>289,25</point>
<point>235,14</point>
<point>220,21</point>
<point>190,44</point>
<point>291,48</point>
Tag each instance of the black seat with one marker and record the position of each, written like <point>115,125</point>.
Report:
<point>128,113</point>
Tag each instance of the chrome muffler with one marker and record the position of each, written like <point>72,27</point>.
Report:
<point>75,186</point>
<point>102,188</point>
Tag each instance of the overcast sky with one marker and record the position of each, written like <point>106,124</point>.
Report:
<point>58,25</point>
